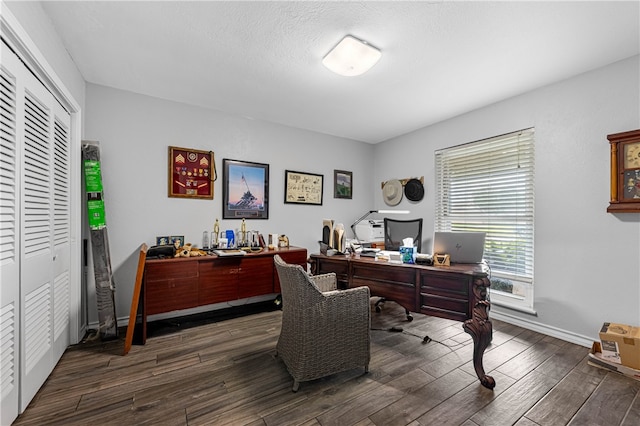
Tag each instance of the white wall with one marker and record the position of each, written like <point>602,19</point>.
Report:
<point>135,132</point>
<point>587,261</point>
<point>39,27</point>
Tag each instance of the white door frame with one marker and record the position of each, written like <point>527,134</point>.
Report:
<point>20,41</point>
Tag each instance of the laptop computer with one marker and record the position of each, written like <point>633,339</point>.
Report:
<point>462,247</point>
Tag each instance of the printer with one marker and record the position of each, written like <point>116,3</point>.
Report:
<point>370,230</point>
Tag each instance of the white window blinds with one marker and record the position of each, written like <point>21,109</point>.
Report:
<point>488,186</point>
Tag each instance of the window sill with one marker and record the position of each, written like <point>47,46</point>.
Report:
<point>513,307</point>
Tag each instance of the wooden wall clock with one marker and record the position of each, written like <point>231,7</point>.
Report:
<point>625,172</point>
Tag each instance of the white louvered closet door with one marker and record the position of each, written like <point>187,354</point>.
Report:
<point>61,180</point>
<point>44,263</point>
<point>43,147</point>
<point>9,241</point>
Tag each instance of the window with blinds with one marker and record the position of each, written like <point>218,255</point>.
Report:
<point>488,186</point>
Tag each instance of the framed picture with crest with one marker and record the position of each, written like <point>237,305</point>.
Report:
<point>191,173</point>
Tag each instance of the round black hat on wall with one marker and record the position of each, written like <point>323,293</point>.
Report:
<point>414,190</point>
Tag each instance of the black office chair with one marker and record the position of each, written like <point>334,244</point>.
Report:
<point>397,230</point>
<point>394,232</point>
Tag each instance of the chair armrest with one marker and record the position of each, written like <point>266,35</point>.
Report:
<point>348,305</point>
<point>354,293</point>
<point>342,315</point>
<point>325,282</point>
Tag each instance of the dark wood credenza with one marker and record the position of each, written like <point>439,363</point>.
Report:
<point>181,283</point>
<point>457,292</point>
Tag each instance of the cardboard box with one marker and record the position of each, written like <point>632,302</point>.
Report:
<point>597,360</point>
<point>621,344</point>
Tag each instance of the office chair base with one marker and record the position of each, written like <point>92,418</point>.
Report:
<point>379,309</point>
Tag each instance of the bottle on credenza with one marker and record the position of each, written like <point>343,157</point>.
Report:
<point>205,240</point>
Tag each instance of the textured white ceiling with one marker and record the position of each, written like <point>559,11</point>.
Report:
<point>263,59</point>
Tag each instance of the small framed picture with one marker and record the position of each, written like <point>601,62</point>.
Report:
<point>303,188</point>
<point>342,184</point>
<point>177,238</point>
<point>163,241</point>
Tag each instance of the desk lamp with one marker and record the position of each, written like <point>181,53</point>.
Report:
<point>370,212</point>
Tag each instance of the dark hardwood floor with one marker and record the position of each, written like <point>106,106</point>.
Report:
<point>227,372</point>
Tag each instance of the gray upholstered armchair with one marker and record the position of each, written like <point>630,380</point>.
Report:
<point>324,330</point>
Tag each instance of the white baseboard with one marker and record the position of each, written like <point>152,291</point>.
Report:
<point>542,328</point>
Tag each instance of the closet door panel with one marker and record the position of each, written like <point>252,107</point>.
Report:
<point>44,234</point>
<point>37,236</point>
<point>61,230</point>
<point>9,239</point>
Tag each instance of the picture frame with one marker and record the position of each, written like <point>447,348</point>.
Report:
<point>342,184</point>
<point>245,188</point>
<point>163,240</point>
<point>191,173</point>
<point>177,239</point>
<point>303,188</point>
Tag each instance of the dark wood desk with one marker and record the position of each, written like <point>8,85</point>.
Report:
<point>457,292</point>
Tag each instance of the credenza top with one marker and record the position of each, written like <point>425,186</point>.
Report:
<point>210,257</point>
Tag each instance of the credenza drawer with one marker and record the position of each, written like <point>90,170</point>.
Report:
<point>396,283</point>
<point>443,313</point>
<point>395,274</point>
<point>457,306</point>
<point>255,277</point>
<point>174,269</point>
<point>450,284</point>
<point>171,295</point>
<point>339,267</point>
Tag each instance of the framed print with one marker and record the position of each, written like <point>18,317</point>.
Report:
<point>245,190</point>
<point>302,188</point>
<point>342,184</point>
<point>191,173</point>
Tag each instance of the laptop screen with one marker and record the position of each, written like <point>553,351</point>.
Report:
<point>462,247</point>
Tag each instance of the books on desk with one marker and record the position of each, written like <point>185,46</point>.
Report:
<point>391,256</point>
<point>229,252</point>
<point>369,252</point>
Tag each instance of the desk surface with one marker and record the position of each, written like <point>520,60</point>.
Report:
<point>463,268</point>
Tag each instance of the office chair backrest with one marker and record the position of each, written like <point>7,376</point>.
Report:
<point>397,230</point>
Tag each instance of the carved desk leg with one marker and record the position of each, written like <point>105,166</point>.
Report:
<point>480,329</point>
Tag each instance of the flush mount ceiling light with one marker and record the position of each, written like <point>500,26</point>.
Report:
<point>351,57</point>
